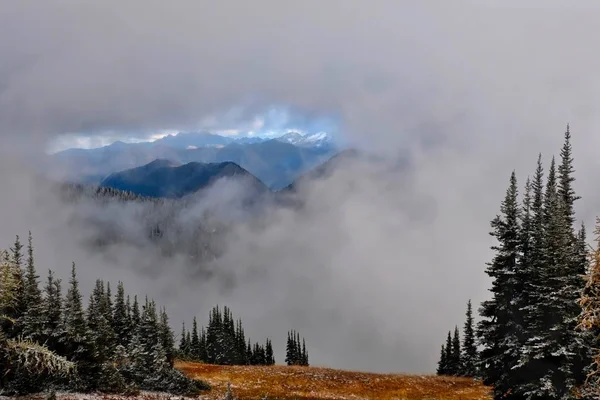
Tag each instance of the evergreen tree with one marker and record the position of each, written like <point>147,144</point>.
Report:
<point>18,305</point>
<point>107,306</point>
<point>195,344</point>
<point>240,340</point>
<point>499,329</point>
<point>531,273</point>
<point>120,323</point>
<point>553,349</point>
<point>32,317</point>
<point>290,349</point>
<point>469,347</point>
<point>298,350</point>
<point>166,337</point>
<point>183,344</point>
<point>203,355</point>
<point>249,353</point>
<point>269,355</point>
<point>456,359</point>
<point>215,343</point>
<point>79,346</point>
<point>450,368</point>
<point>52,315</point>
<point>571,277</point>
<point>98,322</point>
<point>304,354</point>
<point>135,315</point>
<point>442,368</point>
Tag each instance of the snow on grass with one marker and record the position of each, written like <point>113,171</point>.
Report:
<point>307,383</point>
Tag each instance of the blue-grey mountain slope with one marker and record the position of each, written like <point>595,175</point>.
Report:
<point>166,179</point>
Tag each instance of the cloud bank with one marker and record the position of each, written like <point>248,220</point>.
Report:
<point>470,89</point>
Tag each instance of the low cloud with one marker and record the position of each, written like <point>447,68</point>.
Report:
<point>470,90</point>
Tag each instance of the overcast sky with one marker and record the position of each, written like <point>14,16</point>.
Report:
<point>471,89</point>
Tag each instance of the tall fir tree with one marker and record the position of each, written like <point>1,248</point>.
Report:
<point>442,368</point>
<point>18,308</point>
<point>52,315</point>
<point>135,315</point>
<point>571,276</point>
<point>195,343</point>
<point>469,347</point>
<point>450,368</point>
<point>79,346</point>
<point>120,321</point>
<point>32,317</point>
<point>498,330</point>
<point>456,353</point>
<point>183,344</point>
<point>304,354</point>
<point>167,339</point>
<point>270,356</point>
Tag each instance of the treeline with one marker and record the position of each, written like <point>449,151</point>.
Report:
<point>531,345</point>
<point>460,359</point>
<point>223,342</point>
<point>51,341</point>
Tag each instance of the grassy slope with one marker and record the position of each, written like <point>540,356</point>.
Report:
<point>279,382</point>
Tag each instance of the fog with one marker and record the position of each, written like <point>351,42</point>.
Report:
<point>380,263</point>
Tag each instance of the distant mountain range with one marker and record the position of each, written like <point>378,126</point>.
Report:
<point>167,179</point>
<point>275,162</point>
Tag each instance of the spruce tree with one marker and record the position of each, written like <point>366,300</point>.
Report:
<point>52,315</point>
<point>32,317</point>
<point>450,367</point>
<point>99,323</point>
<point>183,344</point>
<point>167,339</point>
<point>195,344</point>
<point>203,355</point>
<point>120,323</point>
<point>571,276</point>
<point>270,357</point>
<point>304,354</point>
<point>456,359</point>
<point>442,367</point>
<point>215,338</point>
<point>469,347</point>
<point>240,340</point>
<point>291,355</point>
<point>135,315</point>
<point>533,265</point>
<point>79,346</point>
<point>18,307</point>
<point>249,353</point>
<point>498,330</point>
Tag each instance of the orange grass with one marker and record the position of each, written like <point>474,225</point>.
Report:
<point>306,383</point>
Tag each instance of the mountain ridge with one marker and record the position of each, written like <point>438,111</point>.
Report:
<point>165,179</point>
<point>276,163</point>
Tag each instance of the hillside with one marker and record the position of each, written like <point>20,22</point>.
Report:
<point>302,383</point>
<point>162,178</point>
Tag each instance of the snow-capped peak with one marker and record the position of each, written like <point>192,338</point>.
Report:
<point>311,140</point>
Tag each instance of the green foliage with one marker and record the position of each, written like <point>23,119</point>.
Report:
<point>296,353</point>
<point>85,352</point>
<point>531,348</point>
